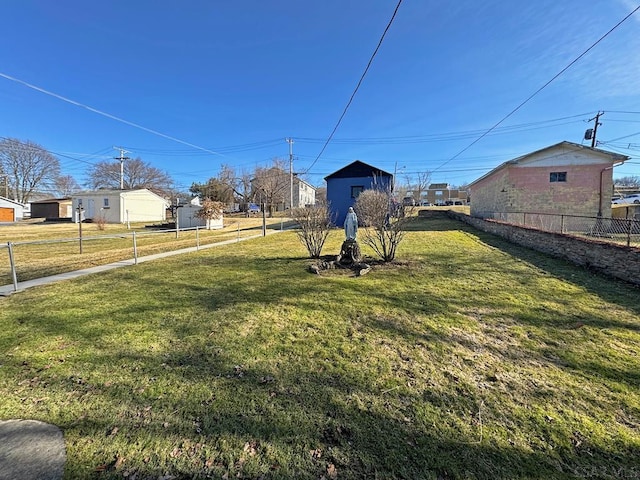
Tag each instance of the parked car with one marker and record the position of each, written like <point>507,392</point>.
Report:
<point>633,198</point>
<point>253,208</point>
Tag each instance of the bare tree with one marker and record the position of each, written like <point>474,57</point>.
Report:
<point>315,224</point>
<point>66,185</point>
<point>422,184</point>
<point>271,184</point>
<point>244,185</point>
<point>416,184</point>
<point>384,231</point>
<point>631,181</point>
<point>28,167</point>
<point>136,174</point>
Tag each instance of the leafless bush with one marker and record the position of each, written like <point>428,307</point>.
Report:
<point>100,222</point>
<point>385,231</point>
<point>315,224</point>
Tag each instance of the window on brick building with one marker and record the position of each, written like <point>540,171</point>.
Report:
<point>558,177</point>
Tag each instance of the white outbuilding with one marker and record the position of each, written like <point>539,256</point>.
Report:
<point>187,217</point>
<point>10,210</point>
<point>120,206</point>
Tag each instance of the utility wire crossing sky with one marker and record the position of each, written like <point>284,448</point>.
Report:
<point>230,83</point>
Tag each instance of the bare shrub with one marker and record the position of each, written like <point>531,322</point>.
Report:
<point>384,230</point>
<point>100,222</point>
<point>315,224</point>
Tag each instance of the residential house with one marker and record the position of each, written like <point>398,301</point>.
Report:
<point>52,208</point>
<point>344,186</point>
<point>565,178</point>
<point>120,206</point>
<point>282,190</point>
<point>442,193</point>
<point>10,210</point>
<point>304,194</point>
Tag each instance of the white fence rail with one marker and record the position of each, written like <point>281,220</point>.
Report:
<point>121,243</point>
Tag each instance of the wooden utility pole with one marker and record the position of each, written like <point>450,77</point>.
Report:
<point>290,142</point>
<point>122,158</point>
<point>595,128</point>
<point>6,185</point>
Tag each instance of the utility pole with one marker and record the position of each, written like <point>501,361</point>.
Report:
<point>6,185</point>
<point>122,158</point>
<point>595,127</point>
<point>290,142</point>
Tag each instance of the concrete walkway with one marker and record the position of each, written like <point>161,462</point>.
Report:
<point>31,450</point>
<point>6,290</point>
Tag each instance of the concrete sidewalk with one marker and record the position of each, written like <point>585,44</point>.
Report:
<point>6,290</point>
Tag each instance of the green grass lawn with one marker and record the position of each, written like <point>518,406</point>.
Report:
<point>466,358</point>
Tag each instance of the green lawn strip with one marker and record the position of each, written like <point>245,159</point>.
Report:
<point>35,260</point>
<point>467,358</point>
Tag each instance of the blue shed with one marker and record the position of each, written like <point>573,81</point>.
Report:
<point>344,186</point>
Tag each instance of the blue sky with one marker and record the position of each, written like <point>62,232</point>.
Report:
<point>237,78</point>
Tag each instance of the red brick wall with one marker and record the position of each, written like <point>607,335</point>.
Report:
<point>518,188</point>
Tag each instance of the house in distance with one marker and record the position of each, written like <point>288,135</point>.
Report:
<point>120,206</point>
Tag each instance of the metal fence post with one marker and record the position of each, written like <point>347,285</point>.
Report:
<point>630,223</point>
<point>524,218</point>
<point>177,217</point>
<point>14,276</point>
<point>135,249</point>
<point>561,223</point>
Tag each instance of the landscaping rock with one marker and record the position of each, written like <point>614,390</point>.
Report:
<point>31,450</point>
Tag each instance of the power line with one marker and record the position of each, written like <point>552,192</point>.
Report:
<point>108,115</point>
<point>620,138</point>
<point>540,89</point>
<point>444,137</point>
<point>344,112</point>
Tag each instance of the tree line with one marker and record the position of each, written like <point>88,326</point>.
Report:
<point>27,169</point>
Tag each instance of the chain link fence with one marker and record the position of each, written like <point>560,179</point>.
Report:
<point>624,231</point>
<point>30,259</point>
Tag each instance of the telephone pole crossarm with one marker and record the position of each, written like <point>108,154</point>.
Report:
<point>122,158</point>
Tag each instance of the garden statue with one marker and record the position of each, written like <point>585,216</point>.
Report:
<point>350,251</point>
<point>351,225</point>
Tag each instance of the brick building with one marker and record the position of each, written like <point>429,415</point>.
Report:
<point>566,178</point>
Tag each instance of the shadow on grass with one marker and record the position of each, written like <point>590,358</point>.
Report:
<point>609,289</point>
<point>216,401</point>
<point>304,423</point>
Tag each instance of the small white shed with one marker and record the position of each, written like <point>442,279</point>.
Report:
<point>186,218</point>
<point>10,210</point>
<point>121,206</point>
